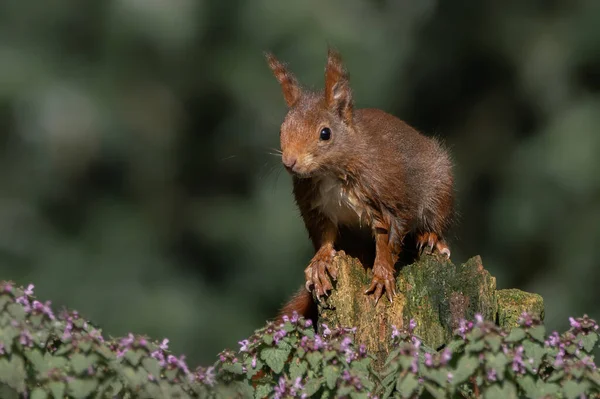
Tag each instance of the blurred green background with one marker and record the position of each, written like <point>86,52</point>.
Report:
<point>136,184</point>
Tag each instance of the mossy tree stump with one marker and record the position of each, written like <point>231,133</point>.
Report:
<point>433,292</point>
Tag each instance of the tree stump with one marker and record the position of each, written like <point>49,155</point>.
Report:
<point>433,292</point>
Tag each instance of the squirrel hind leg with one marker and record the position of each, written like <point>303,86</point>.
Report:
<point>429,242</point>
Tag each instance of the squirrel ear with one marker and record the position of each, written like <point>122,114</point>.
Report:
<point>289,85</point>
<point>337,86</point>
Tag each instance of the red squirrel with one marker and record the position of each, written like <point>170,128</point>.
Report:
<point>359,169</point>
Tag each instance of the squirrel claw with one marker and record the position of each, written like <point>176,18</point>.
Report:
<point>383,280</point>
<point>430,243</point>
<point>318,271</point>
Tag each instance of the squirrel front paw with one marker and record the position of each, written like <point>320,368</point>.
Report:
<point>318,271</point>
<point>383,278</point>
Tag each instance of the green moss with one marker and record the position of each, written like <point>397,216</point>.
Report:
<point>513,302</point>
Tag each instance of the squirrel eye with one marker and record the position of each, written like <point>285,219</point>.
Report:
<point>325,134</point>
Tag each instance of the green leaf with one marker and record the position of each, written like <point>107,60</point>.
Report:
<point>438,376</point>
<point>297,368</point>
<point>16,311</point>
<point>328,355</point>
<point>476,346</point>
<point>314,359</point>
<point>152,366</point>
<point>494,341</point>
<point>589,341</point>
<point>133,356</point>
<point>81,363</point>
<point>275,358</point>
<point>268,339</point>
<point>434,391</point>
<point>359,395</point>
<point>57,388</point>
<point>84,346</point>
<point>534,351</point>
<point>516,334</point>
<point>504,391</point>
<point>546,389</point>
<point>64,349</point>
<point>527,383</point>
<point>12,372</point>
<point>263,391</point>
<point>82,388</point>
<point>38,393</point>
<point>464,369</point>
<point>498,363</point>
<point>331,374</point>
<point>391,356</point>
<point>408,385</point>
<point>556,376</point>
<point>288,327</point>
<point>538,333</point>
<point>4,299</point>
<point>7,392</point>
<point>572,389</point>
<point>312,386</point>
<point>235,368</point>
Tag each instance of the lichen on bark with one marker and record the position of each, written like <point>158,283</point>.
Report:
<point>433,292</point>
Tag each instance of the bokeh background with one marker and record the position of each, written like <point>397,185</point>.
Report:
<point>136,184</point>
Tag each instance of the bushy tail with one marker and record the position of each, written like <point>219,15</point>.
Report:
<point>302,302</point>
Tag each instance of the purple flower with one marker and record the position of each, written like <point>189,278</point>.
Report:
<point>25,302</point>
<point>326,330</point>
<point>445,357</point>
<point>574,323</point>
<point>128,341</point>
<point>280,389</point>
<point>395,332</point>
<point>517,365</point>
<point>345,343</point>
<point>464,327</point>
<point>206,376</point>
<point>2,352</point>
<point>308,323</point>
<point>450,376</point>
<point>491,375</point>
<point>412,324</point>
<point>428,360</point>
<point>294,318</point>
<point>279,335</point>
<point>362,350</point>
<point>253,362</point>
<point>479,318</point>
<point>553,340</point>
<point>164,345</point>
<point>25,338</point>
<point>318,342</point>
<point>416,342</point>
<point>244,345</point>
<point>7,287</point>
<point>29,290</point>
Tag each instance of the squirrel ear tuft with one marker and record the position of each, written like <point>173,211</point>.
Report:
<point>338,94</point>
<point>289,85</point>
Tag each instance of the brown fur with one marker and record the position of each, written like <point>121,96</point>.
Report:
<point>375,173</point>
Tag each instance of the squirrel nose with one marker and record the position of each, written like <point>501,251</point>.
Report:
<point>289,162</point>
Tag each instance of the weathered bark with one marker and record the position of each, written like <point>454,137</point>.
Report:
<point>432,291</point>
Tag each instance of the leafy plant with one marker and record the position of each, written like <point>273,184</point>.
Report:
<point>43,354</point>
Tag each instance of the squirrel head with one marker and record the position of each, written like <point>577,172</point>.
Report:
<point>318,126</point>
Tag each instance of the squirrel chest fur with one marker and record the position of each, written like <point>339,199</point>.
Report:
<point>339,202</point>
<point>363,169</point>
